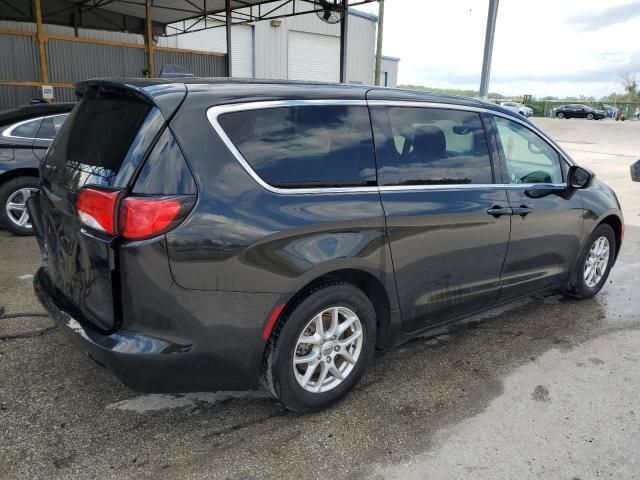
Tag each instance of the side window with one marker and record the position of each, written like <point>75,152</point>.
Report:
<point>529,159</point>
<point>428,146</point>
<point>50,126</point>
<point>305,146</point>
<point>27,129</point>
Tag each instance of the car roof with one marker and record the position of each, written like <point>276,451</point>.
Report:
<point>224,90</point>
<point>26,112</point>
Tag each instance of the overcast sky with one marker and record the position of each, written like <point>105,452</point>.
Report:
<point>542,47</point>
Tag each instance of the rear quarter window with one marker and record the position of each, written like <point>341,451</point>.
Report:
<point>25,129</point>
<point>50,126</point>
<point>305,146</point>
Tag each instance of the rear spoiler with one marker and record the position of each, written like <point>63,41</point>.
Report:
<point>167,96</point>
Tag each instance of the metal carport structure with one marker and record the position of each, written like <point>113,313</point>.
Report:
<point>149,18</point>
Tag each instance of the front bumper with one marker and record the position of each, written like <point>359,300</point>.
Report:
<point>143,363</point>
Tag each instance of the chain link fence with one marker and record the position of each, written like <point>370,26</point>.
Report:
<point>543,108</point>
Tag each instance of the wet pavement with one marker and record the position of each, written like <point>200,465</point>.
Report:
<point>545,388</point>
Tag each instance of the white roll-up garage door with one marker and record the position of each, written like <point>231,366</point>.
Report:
<point>313,57</point>
<point>242,51</point>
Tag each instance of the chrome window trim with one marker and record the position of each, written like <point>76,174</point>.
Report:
<point>214,112</point>
<point>468,186</point>
<point>470,108</point>
<point>8,132</point>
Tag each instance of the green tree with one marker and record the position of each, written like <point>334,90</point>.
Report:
<point>630,84</point>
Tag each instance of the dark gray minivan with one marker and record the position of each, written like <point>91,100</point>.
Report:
<point>219,234</point>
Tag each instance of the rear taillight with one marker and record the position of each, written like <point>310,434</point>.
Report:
<point>144,217</point>
<point>138,216</point>
<point>96,209</point>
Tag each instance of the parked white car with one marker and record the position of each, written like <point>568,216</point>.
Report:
<point>518,107</point>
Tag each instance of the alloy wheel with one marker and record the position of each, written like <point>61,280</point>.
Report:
<point>328,349</point>
<point>595,265</point>
<point>16,207</point>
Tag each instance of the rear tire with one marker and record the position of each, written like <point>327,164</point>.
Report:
<point>13,196</point>
<point>592,268</point>
<point>312,382</point>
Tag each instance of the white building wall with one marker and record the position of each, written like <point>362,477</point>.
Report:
<point>215,40</point>
<point>271,44</point>
<point>390,66</point>
<point>361,47</point>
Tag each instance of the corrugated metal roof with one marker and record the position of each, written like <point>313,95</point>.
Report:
<point>169,11</point>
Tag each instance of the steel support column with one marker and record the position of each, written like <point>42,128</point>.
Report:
<point>343,41</point>
<point>228,28</point>
<point>488,48</point>
<point>149,38</point>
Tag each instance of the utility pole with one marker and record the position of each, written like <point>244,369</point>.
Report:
<point>229,22</point>
<point>488,48</point>
<point>344,29</point>
<point>376,80</point>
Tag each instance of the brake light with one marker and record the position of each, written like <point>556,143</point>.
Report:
<point>96,209</point>
<point>144,217</point>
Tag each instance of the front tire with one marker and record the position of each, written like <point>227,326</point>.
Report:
<point>321,347</point>
<point>594,263</point>
<point>590,116</point>
<point>13,198</point>
<point>560,115</point>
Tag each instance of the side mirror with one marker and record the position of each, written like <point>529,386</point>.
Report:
<point>579,177</point>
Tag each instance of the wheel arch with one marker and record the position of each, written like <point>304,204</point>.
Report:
<point>18,172</point>
<point>615,222</point>
<point>370,285</point>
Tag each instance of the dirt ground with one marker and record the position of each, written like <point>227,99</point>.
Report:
<point>546,388</point>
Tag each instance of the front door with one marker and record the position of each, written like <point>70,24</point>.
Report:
<point>448,225</point>
<point>547,220</point>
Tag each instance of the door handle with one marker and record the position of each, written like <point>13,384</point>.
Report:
<point>522,210</point>
<point>498,211</point>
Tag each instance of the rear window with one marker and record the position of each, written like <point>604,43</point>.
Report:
<point>305,146</point>
<point>102,140</point>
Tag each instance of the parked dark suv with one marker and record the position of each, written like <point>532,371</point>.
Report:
<point>25,134</point>
<point>219,235</point>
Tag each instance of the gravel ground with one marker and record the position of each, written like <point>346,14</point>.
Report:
<point>546,388</point>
